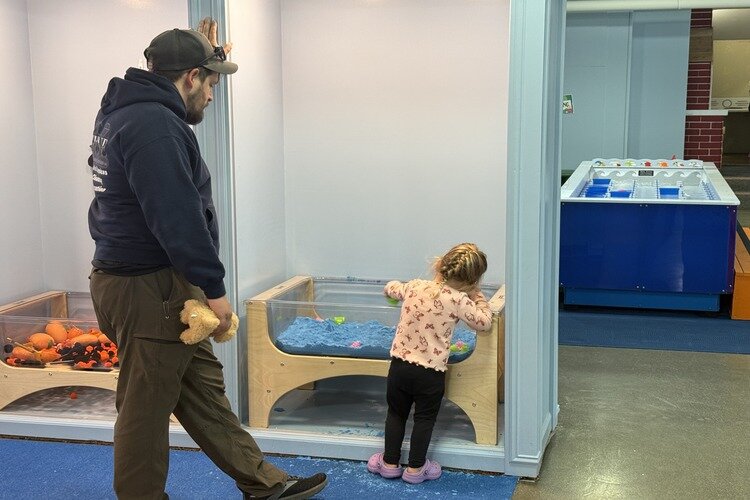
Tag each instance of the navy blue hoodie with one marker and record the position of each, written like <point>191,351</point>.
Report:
<point>152,203</point>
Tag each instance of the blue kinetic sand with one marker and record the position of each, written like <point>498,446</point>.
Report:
<point>370,340</point>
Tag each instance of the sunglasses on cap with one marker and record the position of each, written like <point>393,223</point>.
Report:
<point>218,54</point>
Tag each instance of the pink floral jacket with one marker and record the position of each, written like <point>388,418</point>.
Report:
<point>429,313</point>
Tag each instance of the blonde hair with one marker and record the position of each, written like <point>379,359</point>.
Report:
<point>461,267</point>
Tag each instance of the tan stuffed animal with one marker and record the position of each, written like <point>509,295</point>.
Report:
<point>202,321</point>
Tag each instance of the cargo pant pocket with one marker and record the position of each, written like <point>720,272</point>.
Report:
<point>146,306</point>
<point>174,290</point>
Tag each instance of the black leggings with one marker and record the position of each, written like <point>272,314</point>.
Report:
<point>410,384</point>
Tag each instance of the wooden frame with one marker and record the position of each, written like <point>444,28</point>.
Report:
<point>741,293</point>
<point>475,384</point>
<point>16,382</point>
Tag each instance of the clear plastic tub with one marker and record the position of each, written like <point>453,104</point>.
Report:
<point>473,384</point>
<point>340,317</point>
<point>22,318</point>
<point>73,311</point>
<point>68,305</point>
<point>645,192</point>
<point>70,353</point>
<point>694,193</point>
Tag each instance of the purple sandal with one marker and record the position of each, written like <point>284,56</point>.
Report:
<point>376,465</point>
<point>430,470</point>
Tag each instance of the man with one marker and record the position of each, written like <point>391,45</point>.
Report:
<point>156,234</point>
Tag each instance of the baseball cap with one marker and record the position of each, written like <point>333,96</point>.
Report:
<point>178,49</point>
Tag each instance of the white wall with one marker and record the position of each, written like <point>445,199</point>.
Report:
<point>420,115</point>
<point>394,133</point>
<point>21,270</point>
<point>76,47</point>
<point>254,30</point>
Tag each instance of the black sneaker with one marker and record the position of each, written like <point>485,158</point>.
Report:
<point>299,488</point>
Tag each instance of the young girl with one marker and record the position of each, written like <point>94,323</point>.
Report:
<point>419,355</point>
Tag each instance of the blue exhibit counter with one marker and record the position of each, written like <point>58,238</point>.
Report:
<point>647,234</point>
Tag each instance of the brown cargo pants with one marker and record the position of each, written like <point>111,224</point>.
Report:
<point>160,375</point>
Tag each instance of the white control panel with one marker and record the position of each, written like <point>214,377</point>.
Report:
<point>731,103</point>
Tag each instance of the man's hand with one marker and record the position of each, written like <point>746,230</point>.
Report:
<point>209,29</point>
<point>223,310</point>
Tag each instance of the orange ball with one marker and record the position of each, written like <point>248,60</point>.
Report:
<point>25,354</point>
<point>48,355</point>
<point>74,331</point>
<point>41,341</point>
<point>57,331</point>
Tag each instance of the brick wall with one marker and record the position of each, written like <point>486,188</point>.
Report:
<point>704,135</point>
<point>699,85</point>
<point>701,18</point>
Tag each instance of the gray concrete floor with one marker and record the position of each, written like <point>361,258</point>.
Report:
<point>642,424</point>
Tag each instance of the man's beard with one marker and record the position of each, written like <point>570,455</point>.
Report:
<point>194,110</point>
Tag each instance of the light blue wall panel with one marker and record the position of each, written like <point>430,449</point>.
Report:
<point>627,73</point>
<point>658,84</point>
<point>597,53</point>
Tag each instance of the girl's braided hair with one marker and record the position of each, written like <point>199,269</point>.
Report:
<point>462,266</point>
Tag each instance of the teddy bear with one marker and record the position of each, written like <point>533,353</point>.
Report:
<point>202,321</point>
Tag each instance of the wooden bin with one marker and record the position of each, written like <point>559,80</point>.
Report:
<point>474,384</point>
<point>20,319</point>
<point>741,292</point>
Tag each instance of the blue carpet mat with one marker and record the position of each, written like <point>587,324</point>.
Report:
<point>653,330</point>
<point>42,470</point>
